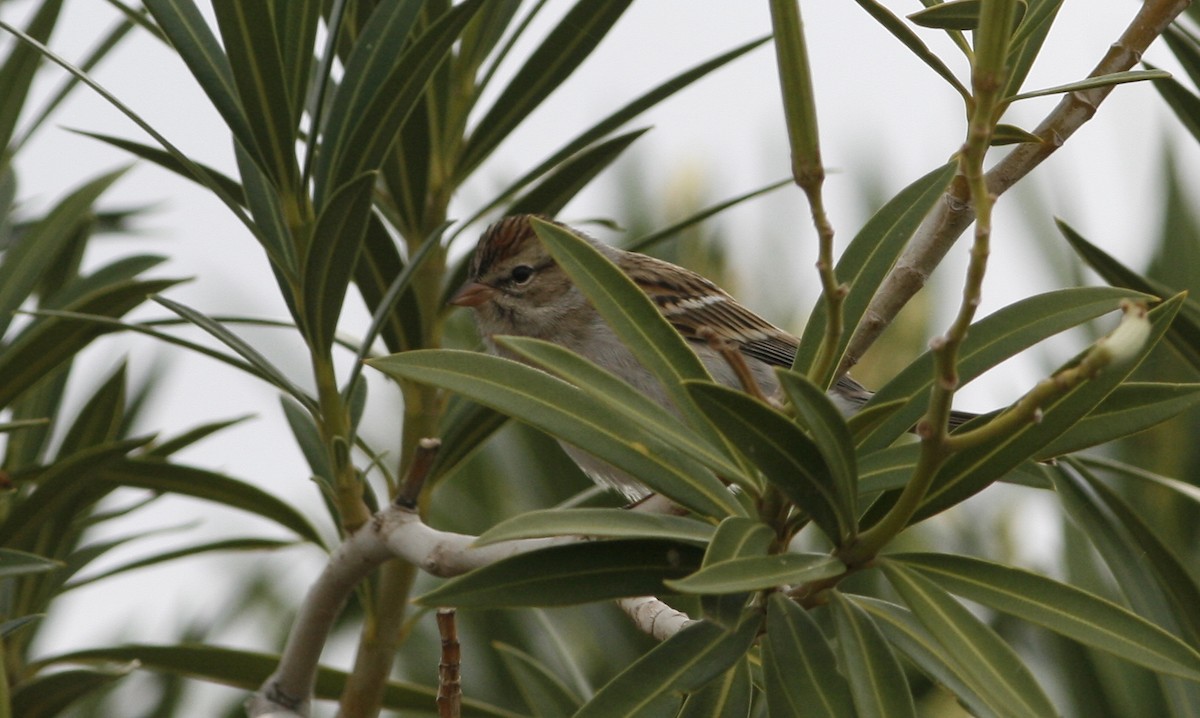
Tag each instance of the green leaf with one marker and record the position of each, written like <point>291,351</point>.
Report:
<point>870,256</point>
<point>906,634</point>
<point>971,470</point>
<point>825,423</point>
<point>1184,333</point>
<point>622,397</point>
<point>383,82</point>
<point>1072,612</point>
<point>1026,43</point>
<point>567,413</point>
<point>989,666</point>
<point>1109,80</point>
<point>166,447</point>
<point>782,451</point>
<point>331,258</point>
<point>735,537</point>
<point>956,15</point>
<point>642,243</point>
<point>248,669</point>
<point>262,366</point>
<point>913,42</point>
<point>990,341</point>
<point>379,269</point>
<point>101,418</point>
<point>754,573</point>
<point>383,306</point>
<point>572,175</point>
<point>29,258</point>
<point>546,68</point>
<point>46,696</point>
<point>611,122</point>
<point>1116,520</point>
<point>799,668</point>
<point>191,37</point>
<point>570,574</point>
<point>877,682</point>
<point>727,696</point>
<point>1013,135</point>
<point>545,694</point>
<point>210,486</point>
<point>264,200</point>
<point>256,64</point>
<point>600,523</point>
<point>626,308</point>
<point>224,545</point>
<point>1132,407</point>
<point>19,563</point>
<point>684,662</point>
<point>203,174</point>
<point>465,428</point>
<point>47,343</point>
<point>20,67</point>
<point>1120,536</point>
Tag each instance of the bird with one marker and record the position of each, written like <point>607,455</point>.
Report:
<point>515,287</point>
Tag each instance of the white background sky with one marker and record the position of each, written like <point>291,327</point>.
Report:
<point>883,115</point>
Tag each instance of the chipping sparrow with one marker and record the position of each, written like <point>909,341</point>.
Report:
<point>516,288</point>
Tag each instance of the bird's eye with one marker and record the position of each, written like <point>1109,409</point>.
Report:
<point>522,273</point>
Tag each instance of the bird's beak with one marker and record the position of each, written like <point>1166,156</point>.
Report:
<point>472,294</point>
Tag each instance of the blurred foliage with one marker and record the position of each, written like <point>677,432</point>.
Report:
<point>355,126</point>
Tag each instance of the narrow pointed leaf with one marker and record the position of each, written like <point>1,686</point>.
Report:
<point>19,68</point>
<point>47,343</point>
<point>52,694</point>
<point>817,413</point>
<point>641,244</point>
<point>727,696</point>
<point>570,574</point>
<point>1118,539</point>
<point>785,455</point>
<point>753,573</point>
<point>616,120</point>
<point>567,413</point>
<point>19,563</point>
<point>256,65</point>
<point>561,52</point>
<point>210,486</point>
<point>991,340</point>
<point>1184,334</point>
<point>971,470</point>
<point>871,255</point>
<point>600,523</point>
<point>1132,407</point>
<point>1076,614</point>
<point>238,345</point>
<point>572,175</point>
<point>1026,43</point>
<point>735,537</point>
<point>989,665</point>
<point>224,545</point>
<point>1109,80</point>
<point>337,240</point>
<point>25,262</point>
<point>382,85</point>
<point>545,694</point>
<point>684,662</point>
<point>913,42</point>
<point>248,669</point>
<point>207,176</point>
<point>263,198</point>
<point>192,38</point>
<point>799,668</point>
<point>624,398</point>
<point>877,682</point>
<point>906,634</point>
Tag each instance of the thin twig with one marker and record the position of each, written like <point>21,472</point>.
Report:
<point>449,696</point>
<point>418,471</point>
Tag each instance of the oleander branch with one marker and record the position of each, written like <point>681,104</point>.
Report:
<point>954,213</point>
